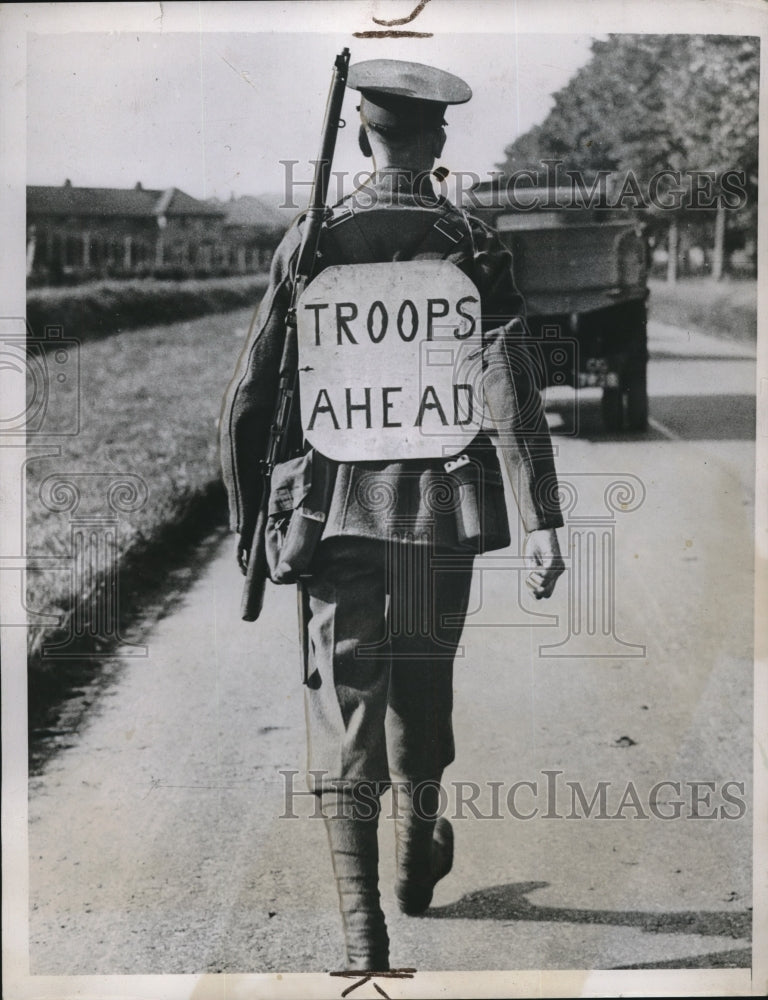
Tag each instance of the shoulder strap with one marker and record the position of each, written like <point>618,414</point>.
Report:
<point>351,235</point>
<point>439,240</point>
<point>348,235</point>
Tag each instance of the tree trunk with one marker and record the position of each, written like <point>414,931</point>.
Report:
<point>674,235</point>
<point>718,252</point>
<point>31,248</point>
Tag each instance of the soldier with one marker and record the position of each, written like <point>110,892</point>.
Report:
<point>389,583</point>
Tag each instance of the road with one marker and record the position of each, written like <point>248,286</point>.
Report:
<point>158,840</point>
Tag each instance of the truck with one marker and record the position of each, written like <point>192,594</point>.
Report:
<point>582,272</point>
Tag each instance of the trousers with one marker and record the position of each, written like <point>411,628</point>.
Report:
<point>385,619</point>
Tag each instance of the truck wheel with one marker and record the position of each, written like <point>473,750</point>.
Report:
<point>612,407</point>
<point>637,401</point>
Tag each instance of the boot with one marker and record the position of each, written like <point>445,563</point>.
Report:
<point>355,855</point>
<point>423,844</point>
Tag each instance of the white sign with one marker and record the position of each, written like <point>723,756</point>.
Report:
<point>389,361</point>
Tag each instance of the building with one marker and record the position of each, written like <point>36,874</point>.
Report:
<point>253,229</point>
<point>78,233</point>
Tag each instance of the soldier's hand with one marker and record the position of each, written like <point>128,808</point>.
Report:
<point>241,554</point>
<point>542,553</point>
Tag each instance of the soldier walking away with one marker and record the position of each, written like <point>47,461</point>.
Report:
<point>386,589</point>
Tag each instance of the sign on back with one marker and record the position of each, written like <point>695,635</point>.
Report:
<point>389,361</point>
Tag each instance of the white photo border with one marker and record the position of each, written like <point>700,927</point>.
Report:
<point>329,16</point>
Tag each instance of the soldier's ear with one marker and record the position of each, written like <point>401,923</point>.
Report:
<point>362,141</point>
<point>439,143</point>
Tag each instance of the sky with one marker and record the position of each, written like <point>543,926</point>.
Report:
<point>215,113</point>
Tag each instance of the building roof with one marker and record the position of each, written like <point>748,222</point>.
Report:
<point>123,202</point>
<point>250,210</point>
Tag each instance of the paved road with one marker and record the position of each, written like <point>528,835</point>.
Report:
<point>156,843</point>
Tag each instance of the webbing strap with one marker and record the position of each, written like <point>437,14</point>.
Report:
<point>356,236</point>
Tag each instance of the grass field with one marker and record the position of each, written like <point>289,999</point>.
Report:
<point>725,308</point>
<point>150,402</point>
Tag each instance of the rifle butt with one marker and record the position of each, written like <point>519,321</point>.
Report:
<point>256,577</point>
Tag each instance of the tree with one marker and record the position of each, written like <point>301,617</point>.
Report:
<point>717,112</point>
<point>648,103</point>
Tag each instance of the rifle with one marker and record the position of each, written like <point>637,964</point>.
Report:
<point>257,574</point>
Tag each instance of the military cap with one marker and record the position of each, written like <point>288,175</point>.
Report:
<point>405,95</point>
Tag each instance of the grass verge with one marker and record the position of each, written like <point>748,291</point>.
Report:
<point>149,404</point>
<point>725,309</point>
<point>99,309</point>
